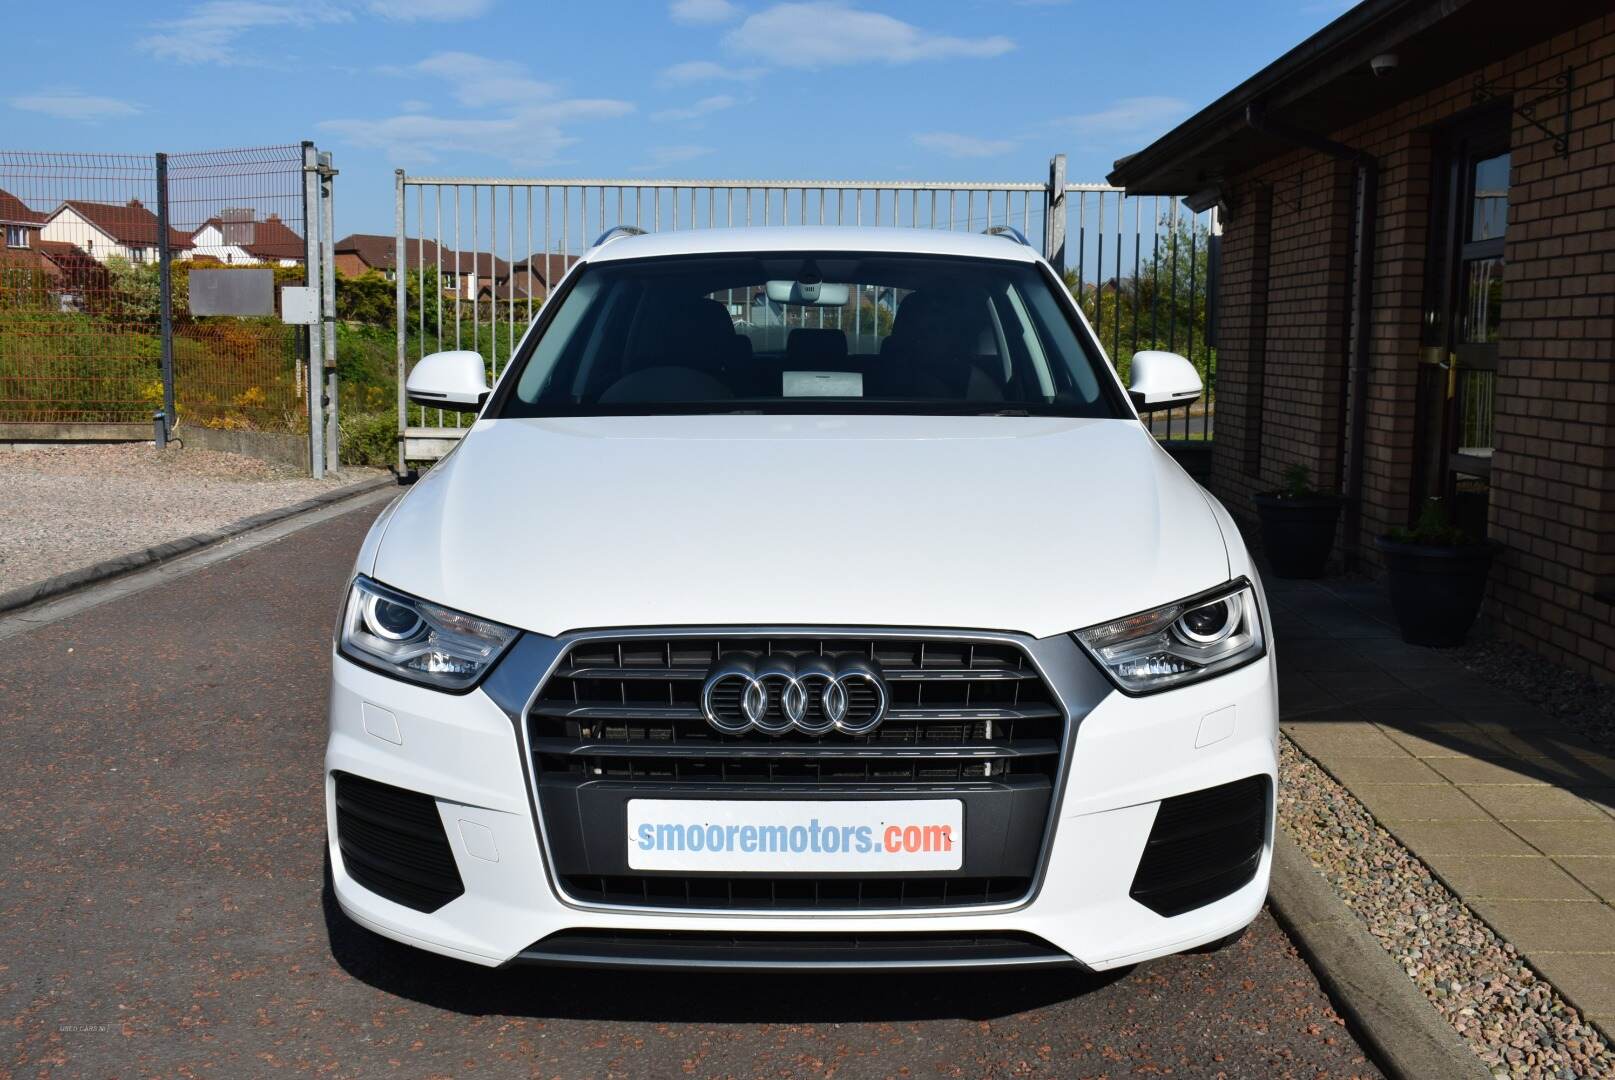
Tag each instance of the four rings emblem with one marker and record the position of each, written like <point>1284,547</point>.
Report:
<point>779,694</point>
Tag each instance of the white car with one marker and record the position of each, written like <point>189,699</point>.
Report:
<point>879,634</point>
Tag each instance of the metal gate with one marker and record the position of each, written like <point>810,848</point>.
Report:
<point>478,255</point>
<point>96,324</point>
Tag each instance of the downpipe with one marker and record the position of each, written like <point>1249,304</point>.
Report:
<point>1361,315</point>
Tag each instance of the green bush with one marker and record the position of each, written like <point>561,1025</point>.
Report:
<point>57,366</point>
<point>369,438</point>
<point>368,298</point>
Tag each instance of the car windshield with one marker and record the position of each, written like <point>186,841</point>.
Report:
<point>810,333</point>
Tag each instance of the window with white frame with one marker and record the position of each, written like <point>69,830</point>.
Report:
<point>16,236</point>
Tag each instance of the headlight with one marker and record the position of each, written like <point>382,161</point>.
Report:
<point>1180,643</point>
<point>417,640</point>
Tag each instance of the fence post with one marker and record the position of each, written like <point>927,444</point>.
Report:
<point>401,305</point>
<point>316,352</point>
<point>1213,276</point>
<point>1054,219</point>
<point>165,300</point>
<point>333,433</point>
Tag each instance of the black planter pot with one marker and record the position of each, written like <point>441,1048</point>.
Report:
<point>1298,533</point>
<point>1435,590</point>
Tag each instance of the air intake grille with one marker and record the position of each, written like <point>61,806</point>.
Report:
<point>743,951</point>
<point>958,711</point>
<point>621,719</point>
<point>1203,846</point>
<point>392,842</point>
<point>757,892</point>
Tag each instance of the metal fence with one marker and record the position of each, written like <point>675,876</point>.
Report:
<point>481,253</point>
<point>95,318</point>
<point>1143,269</point>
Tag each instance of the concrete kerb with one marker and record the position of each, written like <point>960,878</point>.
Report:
<point>1410,1039</point>
<point>27,595</point>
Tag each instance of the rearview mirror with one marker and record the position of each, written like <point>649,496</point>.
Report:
<point>815,293</point>
<point>1162,380</point>
<point>448,380</point>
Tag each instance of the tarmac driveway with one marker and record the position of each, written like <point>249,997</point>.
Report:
<point>161,868</point>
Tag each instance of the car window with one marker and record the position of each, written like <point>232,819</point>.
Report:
<point>810,332</point>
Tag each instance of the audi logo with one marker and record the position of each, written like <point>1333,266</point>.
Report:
<point>778,695</point>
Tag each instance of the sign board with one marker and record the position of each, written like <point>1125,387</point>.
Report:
<point>232,292</point>
<point>299,305</point>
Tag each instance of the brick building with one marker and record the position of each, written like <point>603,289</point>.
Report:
<point>1464,152</point>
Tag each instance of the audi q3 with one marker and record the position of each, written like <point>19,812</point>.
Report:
<point>804,598</point>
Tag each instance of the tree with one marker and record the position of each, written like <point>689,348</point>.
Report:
<point>1161,305</point>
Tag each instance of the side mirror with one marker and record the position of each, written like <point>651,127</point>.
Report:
<point>448,380</point>
<point>1162,380</point>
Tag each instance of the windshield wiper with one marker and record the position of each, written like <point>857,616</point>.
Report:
<point>1004,412</point>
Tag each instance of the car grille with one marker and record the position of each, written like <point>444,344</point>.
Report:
<point>622,717</point>
<point>791,893</point>
<point>958,711</point>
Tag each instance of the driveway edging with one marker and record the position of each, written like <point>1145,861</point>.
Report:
<point>73,580</point>
<point>1411,1040</point>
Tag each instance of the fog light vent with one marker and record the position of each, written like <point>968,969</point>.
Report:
<point>392,842</point>
<point>1203,846</point>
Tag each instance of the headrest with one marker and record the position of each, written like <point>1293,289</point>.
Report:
<point>816,345</point>
<point>687,332</point>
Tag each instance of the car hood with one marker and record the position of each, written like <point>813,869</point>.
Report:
<point>1029,524</point>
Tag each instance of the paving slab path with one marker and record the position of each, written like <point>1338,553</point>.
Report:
<point>1512,809</point>
<point>162,909</point>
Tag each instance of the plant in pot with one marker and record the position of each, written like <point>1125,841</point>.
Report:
<point>1298,525</point>
<point>1436,575</point>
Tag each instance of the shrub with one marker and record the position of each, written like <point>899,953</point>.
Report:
<point>369,438</point>
<point>1434,527</point>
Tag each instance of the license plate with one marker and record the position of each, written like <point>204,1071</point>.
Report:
<point>886,836</point>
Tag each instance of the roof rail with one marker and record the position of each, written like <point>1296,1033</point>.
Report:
<point>1008,232</point>
<point>617,232</point>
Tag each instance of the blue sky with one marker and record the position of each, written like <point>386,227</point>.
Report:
<point>866,89</point>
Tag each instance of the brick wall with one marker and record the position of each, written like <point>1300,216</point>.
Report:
<point>1283,355</point>
<point>1282,337</point>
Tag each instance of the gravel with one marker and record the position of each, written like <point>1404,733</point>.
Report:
<point>1581,701</point>
<point>1510,1016</point>
<point>69,506</point>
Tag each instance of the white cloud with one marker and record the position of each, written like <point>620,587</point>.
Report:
<point>477,81</point>
<point>829,33</point>
<point>518,119</point>
<point>707,105</point>
<point>529,136</point>
<point>692,71</point>
<point>209,32</point>
<point>74,105</point>
<point>213,31</point>
<point>663,156</point>
<point>1129,117</point>
<point>429,10</point>
<point>702,11</point>
<point>963,146</point>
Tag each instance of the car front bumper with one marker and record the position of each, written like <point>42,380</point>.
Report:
<point>1124,756</point>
